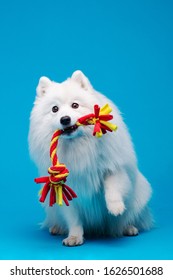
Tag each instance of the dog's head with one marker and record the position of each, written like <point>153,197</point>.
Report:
<point>59,105</point>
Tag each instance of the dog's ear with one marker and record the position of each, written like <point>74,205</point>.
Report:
<point>81,79</point>
<point>43,84</point>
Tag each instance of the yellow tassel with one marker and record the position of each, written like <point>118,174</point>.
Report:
<point>99,134</point>
<point>58,191</point>
<point>105,110</point>
<point>110,125</point>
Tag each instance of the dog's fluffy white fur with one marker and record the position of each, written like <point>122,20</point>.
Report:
<point>112,193</point>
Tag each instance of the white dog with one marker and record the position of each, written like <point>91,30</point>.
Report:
<point>112,194</point>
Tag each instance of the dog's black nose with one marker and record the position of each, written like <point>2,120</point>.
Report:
<point>65,120</point>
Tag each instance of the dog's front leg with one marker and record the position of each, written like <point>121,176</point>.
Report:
<point>116,187</point>
<point>75,235</point>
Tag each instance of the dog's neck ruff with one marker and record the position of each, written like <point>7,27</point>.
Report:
<point>58,172</point>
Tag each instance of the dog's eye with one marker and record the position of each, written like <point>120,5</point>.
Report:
<point>55,109</point>
<point>74,105</point>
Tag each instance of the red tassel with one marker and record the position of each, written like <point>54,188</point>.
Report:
<point>41,180</point>
<point>73,194</point>
<point>45,191</point>
<point>96,128</point>
<point>96,111</point>
<point>52,196</point>
<point>84,120</point>
<point>106,117</point>
<point>68,195</point>
<point>65,199</point>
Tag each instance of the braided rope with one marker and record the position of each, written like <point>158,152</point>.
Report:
<point>55,182</point>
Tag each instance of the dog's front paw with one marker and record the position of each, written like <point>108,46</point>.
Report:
<point>73,240</point>
<point>116,207</point>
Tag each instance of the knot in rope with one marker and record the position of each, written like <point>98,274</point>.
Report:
<point>58,174</point>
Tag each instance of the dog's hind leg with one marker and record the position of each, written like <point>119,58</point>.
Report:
<point>56,230</point>
<point>130,231</point>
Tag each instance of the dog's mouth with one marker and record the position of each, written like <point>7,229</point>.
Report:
<point>70,129</point>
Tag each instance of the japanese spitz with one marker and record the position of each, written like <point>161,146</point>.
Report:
<point>112,194</point>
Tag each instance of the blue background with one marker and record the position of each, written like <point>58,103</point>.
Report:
<point>126,50</point>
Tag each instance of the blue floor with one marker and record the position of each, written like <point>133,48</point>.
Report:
<point>27,242</point>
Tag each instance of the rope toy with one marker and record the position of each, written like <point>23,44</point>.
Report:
<point>55,182</point>
<point>99,119</point>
